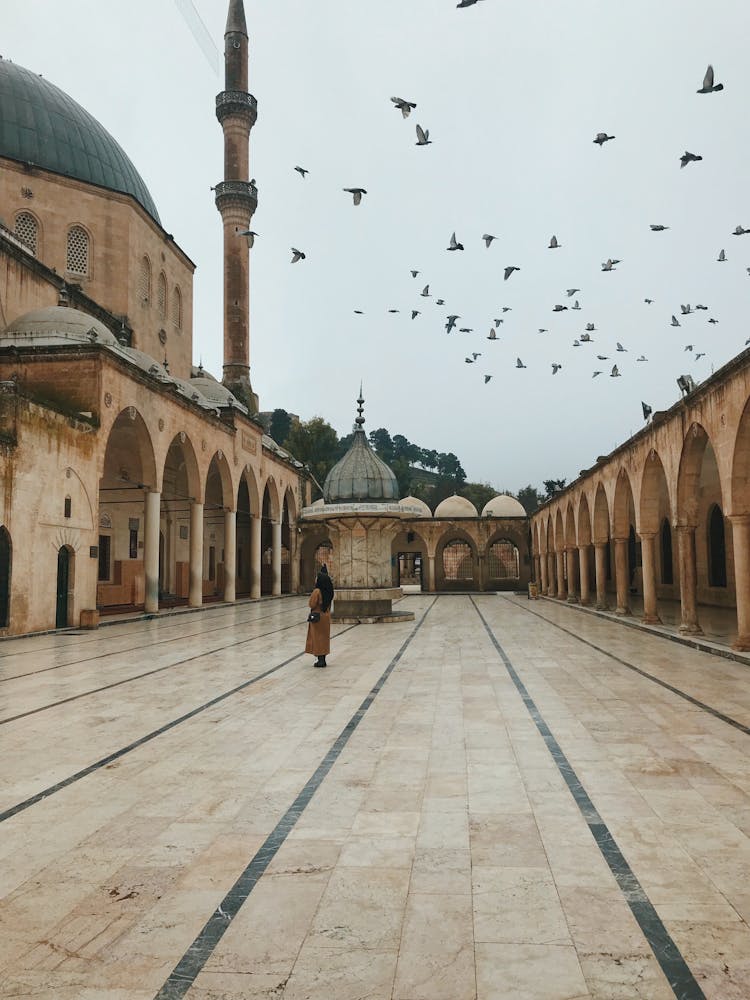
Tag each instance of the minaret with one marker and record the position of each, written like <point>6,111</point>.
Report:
<point>237,199</point>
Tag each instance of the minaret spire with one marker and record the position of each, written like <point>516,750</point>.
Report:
<point>236,200</point>
<point>360,410</point>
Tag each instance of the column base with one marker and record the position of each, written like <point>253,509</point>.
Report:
<point>585,602</point>
<point>601,606</point>
<point>572,599</point>
<point>623,612</point>
<point>742,644</point>
<point>651,620</point>
<point>691,629</point>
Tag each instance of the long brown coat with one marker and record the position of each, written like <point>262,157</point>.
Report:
<point>318,633</point>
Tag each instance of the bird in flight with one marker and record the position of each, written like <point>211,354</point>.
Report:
<point>466,329</point>
<point>570,292</point>
<point>394,310</point>
<point>302,171</point>
<point>467,3</point>
<point>414,274</point>
<point>704,308</point>
<point>642,358</point>
<point>602,357</point>
<point>615,373</point>
<point>488,240</point>
<point>675,321</point>
<point>469,361</point>
<point>405,107</point>
<point>624,350</point>
<point>722,257</point>
<point>602,137</point>
<point>709,87</point>
<point>486,377</point>
<point>454,244</point>
<point>543,329</point>
<point>553,244</point>
<point>686,310</point>
<point>425,293</point>
<point>658,228</point>
<point>609,265</point>
<point>688,158</point>
<point>439,302</point>
<point>415,313</point>
<point>297,255</point>
<point>492,334</point>
<point>689,347</point>
<point>649,302</point>
<point>358,312</point>
<point>559,309</point>
<point>555,368</point>
<point>595,374</point>
<point>508,271</point>
<point>519,363</point>
<point>497,322</point>
<point>423,136</point>
<point>647,410</point>
<point>507,309</point>
<point>713,321</point>
<point>740,231</point>
<point>590,327</point>
<point>576,305</point>
<point>356,193</point>
<point>451,323</point>
<point>700,355</point>
<point>249,235</point>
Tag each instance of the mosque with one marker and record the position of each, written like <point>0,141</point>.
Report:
<point>134,480</point>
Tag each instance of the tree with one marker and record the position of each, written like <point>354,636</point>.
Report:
<point>281,424</point>
<point>381,441</point>
<point>530,498</point>
<point>478,493</point>
<point>428,458</point>
<point>315,443</point>
<point>403,448</point>
<point>553,486</point>
<point>449,466</point>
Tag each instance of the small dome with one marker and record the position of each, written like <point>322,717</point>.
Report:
<point>424,510</point>
<point>360,474</point>
<point>148,364</point>
<point>190,391</point>
<point>456,506</point>
<point>503,505</point>
<point>56,325</point>
<point>216,393</point>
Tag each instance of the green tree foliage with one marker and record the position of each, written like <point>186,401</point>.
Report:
<point>281,424</point>
<point>381,442</point>
<point>315,443</point>
<point>553,486</point>
<point>530,498</point>
<point>479,494</point>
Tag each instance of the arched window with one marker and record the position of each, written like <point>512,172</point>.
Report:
<point>177,307</point>
<point>144,281</point>
<point>717,549</point>
<point>667,563</point>
<point>27,231</point>
<point>502,561</point>
<point>458,561</point>
<point>77,255</point>
<point>161,296</point>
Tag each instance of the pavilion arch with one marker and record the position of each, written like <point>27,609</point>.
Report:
<point>654,500</point>
<point>129,441</point>
<point>623,506</point>
<point>601,522</point>
<point>535,539</point>
<point>460,564</point>
<point>559,532</point>
<point>697,453</point>
<point>570,527</point>
<point>584,521</point>
<point>741,465</point>
<point>503,554</point>
<point>409,558</point>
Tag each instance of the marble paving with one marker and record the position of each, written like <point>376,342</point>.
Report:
<point>474,806</point>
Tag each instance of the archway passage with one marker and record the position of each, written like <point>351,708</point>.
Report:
<point>503,564</point>
<point>286,548</point>
<point>244,539</point>
<point>266,541</point>
<point>458,565</point>
<point>409,563</point>
<point>64,586</point>
<point>180,490</point>
<point>5,577</point>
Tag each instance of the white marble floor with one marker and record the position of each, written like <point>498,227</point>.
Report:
<point>443,853</point>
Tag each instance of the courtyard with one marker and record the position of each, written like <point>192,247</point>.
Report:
<point>502,799</point>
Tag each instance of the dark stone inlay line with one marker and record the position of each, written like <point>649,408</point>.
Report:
<point>643,673</point>
<point>127,649</point>
<point>147,673</point>
<point>192,962</point>
<point>40,796</point>
<point>667,954</point>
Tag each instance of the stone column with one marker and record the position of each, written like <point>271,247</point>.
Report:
<point>583,571</point>
<point>600,554</point>
<point>741,546</point>
<point>230,555</point>
<point>551,569</point>
<point>688,580</point>
<point>622,579</point>
<point>572,554</point>
<point>255,556</point>
<point>560,561</point>
<point>276,558</point>
<point>152,517</point>
<point>294,557</point>
<point>430,582</point>
<point>195,598</point>
<point>543,574</point>
<point>648,558</point>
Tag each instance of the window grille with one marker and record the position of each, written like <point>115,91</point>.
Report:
<point>161,297</point>
<point>27,231</point>
<point>503,561</point>
<point>77,260</point>
<point>177,307</point>
<point>144,281</point>
<point>458,561</point>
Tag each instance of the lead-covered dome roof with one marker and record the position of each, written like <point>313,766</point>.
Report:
<point>41,124</point>
<point>360,475</point>
<point>54,325</point>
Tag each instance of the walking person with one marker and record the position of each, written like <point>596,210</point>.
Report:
<point>319,619</point>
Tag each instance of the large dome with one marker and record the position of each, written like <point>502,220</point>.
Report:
<point>40,124</point>
<point>456,506</point>
<point>504,505</point>
<point>360,474</point>
<point>56,325</point>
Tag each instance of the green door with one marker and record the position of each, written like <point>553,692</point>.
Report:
<point>63,581</point>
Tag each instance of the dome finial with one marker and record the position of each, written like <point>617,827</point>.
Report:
<point>360,409</point>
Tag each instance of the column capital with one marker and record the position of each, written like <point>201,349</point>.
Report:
<point>739,518</point>
<point>621,539</point>
<point>647,534</point>
<point>685,528</point>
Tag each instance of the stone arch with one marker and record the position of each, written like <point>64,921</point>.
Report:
<point>549,535</point>
<point>654,497</point>
<point>251,485</point>
<point>409,557</point>
<point>570,526</point>
<point>740,479</point>
<point>218,469</point>
<point>462,568</point>
<point>290,502</point>
<point>181,460</point>
<point>601,522</point>
<point>503,560</point>
<point>696,447</point>
<point>129,434</point>
<point>559,532</point>
<point>584,521</point>
<point>623,505</point>
<point>271,500</point>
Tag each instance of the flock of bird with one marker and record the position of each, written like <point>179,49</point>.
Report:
<point>406,107</point>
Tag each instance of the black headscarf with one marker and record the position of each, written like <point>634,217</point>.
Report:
<point>325,585</point>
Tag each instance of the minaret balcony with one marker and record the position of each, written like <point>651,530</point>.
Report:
<point>236,194</point>
<point>236,104</point>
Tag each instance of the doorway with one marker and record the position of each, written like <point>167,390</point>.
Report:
<point>409,569</point>
<point>64,560</point>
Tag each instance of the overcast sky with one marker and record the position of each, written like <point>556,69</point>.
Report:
<point>513,94</point>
